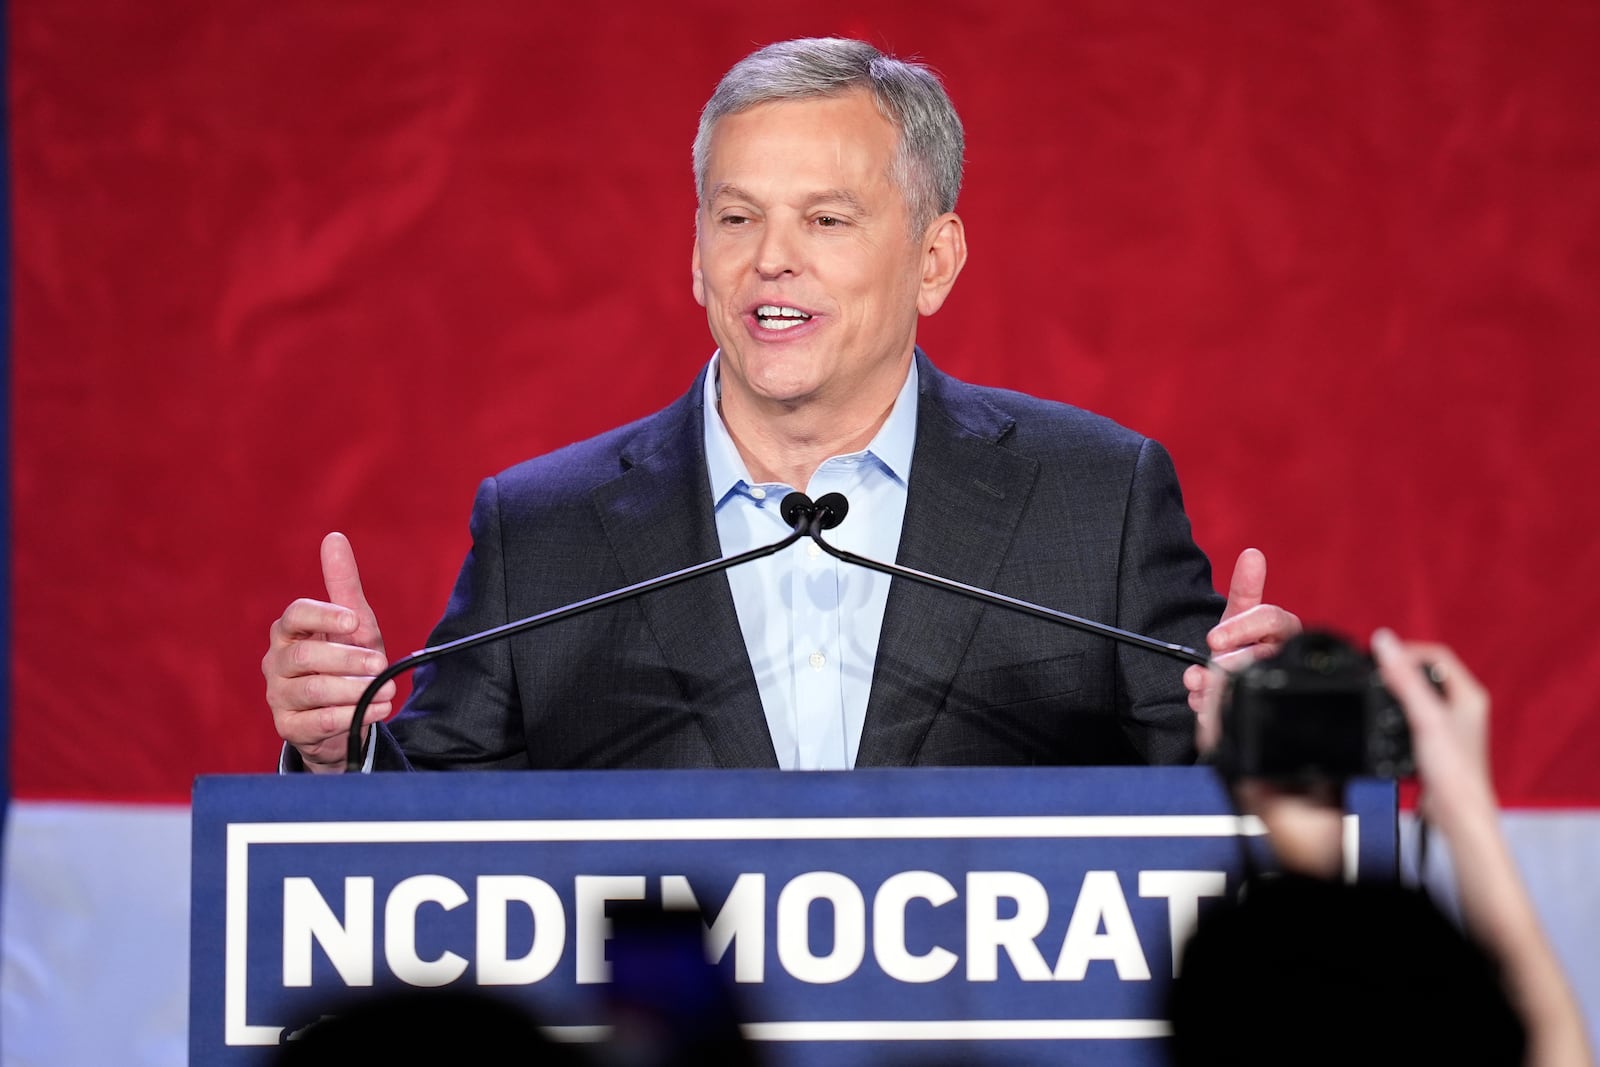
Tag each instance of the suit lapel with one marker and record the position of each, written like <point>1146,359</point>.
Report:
<point>658,517</point>
<point>966,497</point>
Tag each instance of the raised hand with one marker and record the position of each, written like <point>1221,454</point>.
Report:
<point>321,655</point>
<point>1250,629</point>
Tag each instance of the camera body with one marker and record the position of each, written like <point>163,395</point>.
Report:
<point>1316,711</point>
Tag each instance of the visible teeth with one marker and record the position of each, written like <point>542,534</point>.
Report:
<point>774,311</point>
<point>777,317</point>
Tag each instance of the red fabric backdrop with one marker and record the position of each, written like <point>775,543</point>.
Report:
<point>283,268</point>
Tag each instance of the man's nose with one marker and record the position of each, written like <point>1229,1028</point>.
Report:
<point>778,253</point>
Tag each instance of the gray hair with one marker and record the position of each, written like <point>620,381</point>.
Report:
<point>927,164</point>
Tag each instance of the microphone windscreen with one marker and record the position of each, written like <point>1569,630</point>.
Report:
<point>797,506</point>
<point>833,508</point>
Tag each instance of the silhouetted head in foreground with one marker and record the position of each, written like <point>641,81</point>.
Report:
<point>1305,972</point>
<point>427,1027</point>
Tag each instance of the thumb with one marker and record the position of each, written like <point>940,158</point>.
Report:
<point>343,582</point>
<point>1249,584</point>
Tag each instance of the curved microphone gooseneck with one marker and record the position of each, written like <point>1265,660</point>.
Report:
<point>831,509</point>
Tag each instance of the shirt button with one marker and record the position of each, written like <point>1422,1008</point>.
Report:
<point>817,660</point>
<point>813,550</point>
<point>758,492</point>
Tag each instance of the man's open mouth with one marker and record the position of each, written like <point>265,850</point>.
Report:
<point>776,317</point>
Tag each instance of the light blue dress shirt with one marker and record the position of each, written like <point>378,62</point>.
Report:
<point>811,623</point>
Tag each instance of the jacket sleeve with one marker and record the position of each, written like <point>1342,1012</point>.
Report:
<point>1164,590</point>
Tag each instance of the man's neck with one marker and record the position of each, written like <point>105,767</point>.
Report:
<point>786,443</point>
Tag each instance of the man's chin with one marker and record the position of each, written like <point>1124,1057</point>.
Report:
<point>776,388</point>
<point>787,395</point>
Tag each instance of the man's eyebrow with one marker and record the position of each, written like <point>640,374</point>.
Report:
<point>729,191</point>
<point>838,196</point>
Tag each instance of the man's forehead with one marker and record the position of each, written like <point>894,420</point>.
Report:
<point>839,130</point>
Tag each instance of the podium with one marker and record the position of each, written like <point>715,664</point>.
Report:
<point>976,915</point>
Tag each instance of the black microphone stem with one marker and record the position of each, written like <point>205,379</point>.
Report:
<point>1181,652</point>
<point>353,759</point>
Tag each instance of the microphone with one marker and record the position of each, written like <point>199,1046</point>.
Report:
<point>830,510</point>
<point>797,509</point>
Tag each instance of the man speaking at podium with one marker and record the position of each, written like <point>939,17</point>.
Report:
<point>827,177</point>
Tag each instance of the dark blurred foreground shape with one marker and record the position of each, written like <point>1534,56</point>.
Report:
<point>1307,972</point>
<point>669,1007</point>
<point>665,1006</point>
<point>431,1027</point>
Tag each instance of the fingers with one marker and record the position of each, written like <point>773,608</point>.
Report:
<point>1449,733</point>
<point>315,675</point>
<point>1208,685</point>
<point>1395,664</point>
<point>1249,583</point>
<point>305,670</point>
<point>1463,693</point>
<point>308,691</point>
<point>299,654</point>
<point>312,711</point>
<point>327,657</point>
<point>1403,676</point>
<point>323,749</point>
<point>339,571</point>
<point>1238,659</point>
<point>1464,703</point>
<point>1247,619</point>
<point>343,581</point>
<point>1265,624</point>
<point>307,618</point>
<point>1205,700</point>
<point>326,728</point>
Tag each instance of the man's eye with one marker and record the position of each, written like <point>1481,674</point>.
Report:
<point>733,220</point>
<point>828,221</point>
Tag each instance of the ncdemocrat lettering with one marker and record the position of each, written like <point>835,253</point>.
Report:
<point>1006,915</point>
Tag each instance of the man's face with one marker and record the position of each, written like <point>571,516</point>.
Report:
<point>804,259</point>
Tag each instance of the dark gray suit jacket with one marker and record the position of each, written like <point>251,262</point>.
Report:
<point>1035,499</point>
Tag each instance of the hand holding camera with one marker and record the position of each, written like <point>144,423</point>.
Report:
<point>1292,729</point>
<point>1317,711</point>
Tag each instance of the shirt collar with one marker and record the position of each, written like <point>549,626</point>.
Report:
<point>891,446</point>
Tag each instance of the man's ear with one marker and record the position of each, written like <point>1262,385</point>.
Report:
<point>694,269</point>
<point>944,253</point>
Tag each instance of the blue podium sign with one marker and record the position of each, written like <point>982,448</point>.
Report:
<point>862,917</point>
